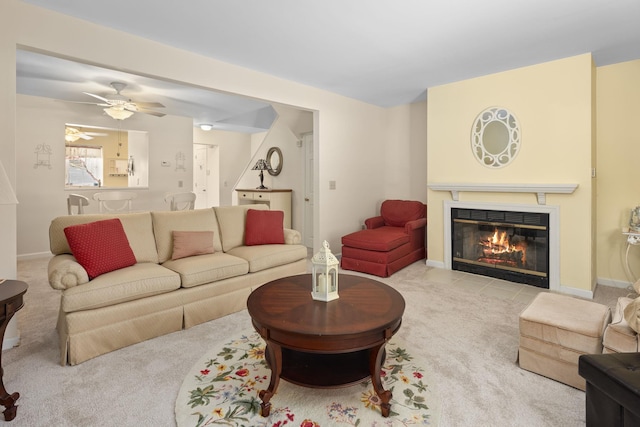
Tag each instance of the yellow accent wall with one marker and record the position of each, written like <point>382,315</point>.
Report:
<point>553,103</point>
<point>618,169</point>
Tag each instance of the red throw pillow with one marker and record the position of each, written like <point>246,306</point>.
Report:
<point>264,227</point>
<point>189,243</point>
<point>100,246</point>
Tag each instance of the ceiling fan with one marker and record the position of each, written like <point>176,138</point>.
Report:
<point>72,134</point>
<point>120,107</point>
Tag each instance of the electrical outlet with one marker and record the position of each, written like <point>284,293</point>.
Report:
<point>180,184</point>
<point>332,185</point>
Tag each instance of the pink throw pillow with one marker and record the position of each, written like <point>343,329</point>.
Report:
<point>189,243</point>
<point>264,227</point>
<point>100,247</point>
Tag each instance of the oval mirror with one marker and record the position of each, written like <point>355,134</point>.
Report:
<point>274,161</point>
<point>495,137</point>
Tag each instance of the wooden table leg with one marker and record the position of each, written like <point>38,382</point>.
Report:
<point>7,400</point>
<point>376,358</point>
<point>274,358</point>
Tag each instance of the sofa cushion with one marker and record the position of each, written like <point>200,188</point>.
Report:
<point>166,222</point>
<point>262,257</point>
<point>100,247</point>
<point>137,226</point>
<point>127,284</point>
<point>196,270</point>
<point>232,220</point>
<point>381,239</point>
<point>397,212</point>
<point>189,243</point>
<point>264,227</point>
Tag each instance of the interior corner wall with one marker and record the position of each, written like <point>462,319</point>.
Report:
<point>406,151</point>
<point>617,171</point>
<point>553,104</point>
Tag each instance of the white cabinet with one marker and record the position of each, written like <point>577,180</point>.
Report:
<point>278,200</point>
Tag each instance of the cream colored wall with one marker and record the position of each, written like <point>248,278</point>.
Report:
<point>553,104</point>
<point>350,135</point>
<point>618,169</point>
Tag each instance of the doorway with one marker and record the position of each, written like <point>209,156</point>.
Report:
<point>206,175</point>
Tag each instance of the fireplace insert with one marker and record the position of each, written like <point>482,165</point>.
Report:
<point>506,245</point>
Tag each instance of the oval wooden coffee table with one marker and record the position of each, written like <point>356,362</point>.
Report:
<point>325,344</point>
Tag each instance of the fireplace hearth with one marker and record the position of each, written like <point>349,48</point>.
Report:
<point>507,245</point>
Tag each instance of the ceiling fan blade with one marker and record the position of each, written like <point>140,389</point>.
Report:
<point>149,104</point>
<point>84,136</point>
<point>151,112</point>
<point>98,97</point>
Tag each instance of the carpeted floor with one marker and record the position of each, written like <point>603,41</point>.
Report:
<point>469,340</point>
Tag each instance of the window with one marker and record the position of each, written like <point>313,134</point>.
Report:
<point>83,166</point>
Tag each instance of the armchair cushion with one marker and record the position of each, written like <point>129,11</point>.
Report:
<point>381,239</point>
<point>396,213</point>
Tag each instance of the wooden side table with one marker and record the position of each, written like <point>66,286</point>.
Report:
<point>11,292</point>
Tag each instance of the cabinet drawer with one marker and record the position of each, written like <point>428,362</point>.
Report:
<point>245,195</point>
<point>260,196</point>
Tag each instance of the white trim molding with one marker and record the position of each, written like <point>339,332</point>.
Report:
<point>540,190</point>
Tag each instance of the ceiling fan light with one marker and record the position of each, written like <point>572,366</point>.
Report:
<point>206,127</point>
<point>71,138</point>
<point>118,113</point>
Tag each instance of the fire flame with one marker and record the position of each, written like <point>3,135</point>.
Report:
<point>498,244</point>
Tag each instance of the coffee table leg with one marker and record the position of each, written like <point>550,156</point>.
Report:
<point>274,353</point>
<point>375,366</point>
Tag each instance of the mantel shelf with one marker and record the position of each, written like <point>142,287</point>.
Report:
<point>540,190</point>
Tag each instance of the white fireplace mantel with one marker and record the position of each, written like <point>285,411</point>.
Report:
<point>540,190</point>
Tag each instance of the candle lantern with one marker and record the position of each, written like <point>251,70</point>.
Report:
<point>324,275</point>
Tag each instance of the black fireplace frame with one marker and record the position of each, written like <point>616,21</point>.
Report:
<point>514,219</point>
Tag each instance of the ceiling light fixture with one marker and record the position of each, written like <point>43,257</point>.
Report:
<point>206,127</point>
<point>118,112</point>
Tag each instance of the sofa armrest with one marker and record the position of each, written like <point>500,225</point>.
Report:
<point>65,272</point>
<point>292,237</point>
<point>374,222</point>
<point>416,223</point>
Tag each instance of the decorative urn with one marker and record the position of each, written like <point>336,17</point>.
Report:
<point>324,275</point>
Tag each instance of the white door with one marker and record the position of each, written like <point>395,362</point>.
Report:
<point>307,141</point>
<point>200,175</point>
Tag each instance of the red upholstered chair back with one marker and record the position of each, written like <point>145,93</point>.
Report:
<point>397,212</point>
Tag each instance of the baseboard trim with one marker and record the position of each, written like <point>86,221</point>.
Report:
<point>604,281</point>
<point>436,264</point>
<point>35,255</point>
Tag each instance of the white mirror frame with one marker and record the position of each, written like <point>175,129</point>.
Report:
<point>484,150</point>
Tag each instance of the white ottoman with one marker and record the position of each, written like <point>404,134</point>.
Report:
<point>555,330</point>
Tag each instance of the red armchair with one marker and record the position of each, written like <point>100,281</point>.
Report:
<point>390,242</point>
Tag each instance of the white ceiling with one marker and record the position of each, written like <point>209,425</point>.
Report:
<point>384,52</point>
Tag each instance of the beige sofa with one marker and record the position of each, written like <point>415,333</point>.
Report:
<point>158,295</point>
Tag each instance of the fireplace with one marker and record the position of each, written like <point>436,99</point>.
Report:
<point>504,244</point>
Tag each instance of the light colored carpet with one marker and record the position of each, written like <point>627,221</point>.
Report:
<point>222,389</point>
<point>469,340</point>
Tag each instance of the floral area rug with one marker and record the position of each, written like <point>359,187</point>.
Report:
<point>222,389</point>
